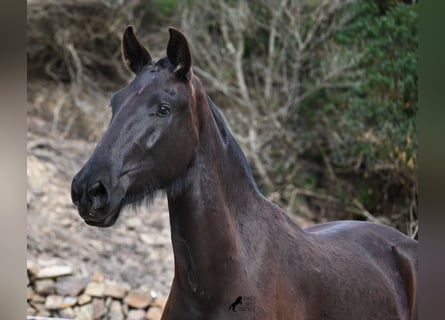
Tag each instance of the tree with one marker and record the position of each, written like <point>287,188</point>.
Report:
<point>295,79</point>
<point>376,126</point>
<point>258,55</point>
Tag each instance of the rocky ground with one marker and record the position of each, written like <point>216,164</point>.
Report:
<point>135,252</point>
<point>54,291</point>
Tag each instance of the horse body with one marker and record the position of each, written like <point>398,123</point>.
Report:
<point>249,246</point>
<point>229,241</point>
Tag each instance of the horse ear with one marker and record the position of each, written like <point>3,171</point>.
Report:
<point>135,56</point>
<point>178,52</point>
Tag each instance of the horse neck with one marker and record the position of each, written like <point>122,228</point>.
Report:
<point>217,206</point>
<point>219,176</point>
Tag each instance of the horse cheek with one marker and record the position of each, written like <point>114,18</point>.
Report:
<point>152,139</point>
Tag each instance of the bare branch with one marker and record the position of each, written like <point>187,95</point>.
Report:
<point>265,88</point>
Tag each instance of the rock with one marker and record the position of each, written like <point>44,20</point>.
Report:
<point>68,302</point>
<point>87,298</point>
<point>54,272</point>
<point>45,286</point>
<point>32,268</point>
<point>96,276</point>
<point>108,301</point>
<point>43,313</point>
<point>37,298</point>
<point>84,312</point>
<point>116,290</point>
<point>115,311</point>
<point>159,302</point>
<point>99,309</point>
<point>154,313</point>
<point>29,293</point>
<point>153,240</point>
<point>146,238</point>
<point>66,223</point>
<point>95,289</point>
<point>30,311</point>
<point>67,313</point>
<point>133,223</point>
<point>125,308</point>
<point>83,299</point>
<point>136,314</point>
<point>139,298</point>
<point>71,286</point>
<point>53,302</point>
<point>38,306</point>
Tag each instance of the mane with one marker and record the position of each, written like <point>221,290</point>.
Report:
<point>177,186</point>
<point>230,141</point>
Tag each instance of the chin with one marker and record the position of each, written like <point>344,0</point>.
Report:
<point>105,222</point>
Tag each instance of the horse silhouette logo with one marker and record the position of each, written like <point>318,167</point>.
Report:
<point>238,301</point>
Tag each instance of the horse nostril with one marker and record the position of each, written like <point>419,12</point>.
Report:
<point>95,188</point>
<point>97,195</point>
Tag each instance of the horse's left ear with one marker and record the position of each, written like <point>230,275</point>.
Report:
<point>178,52</point>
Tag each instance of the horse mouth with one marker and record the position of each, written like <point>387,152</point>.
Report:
<point>104,222</point>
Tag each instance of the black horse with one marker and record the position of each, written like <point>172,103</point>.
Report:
<point>167,134</point>
<point>238,301</point>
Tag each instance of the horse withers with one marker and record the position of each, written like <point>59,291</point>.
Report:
<point>229,241</point>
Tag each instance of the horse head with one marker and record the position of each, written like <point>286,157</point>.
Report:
<point>152,136</point>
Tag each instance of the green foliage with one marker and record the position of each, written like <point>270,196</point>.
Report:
<point>378,117</point>
<point>167,7</point>
<point>154,12</point>
<point>370,128</point>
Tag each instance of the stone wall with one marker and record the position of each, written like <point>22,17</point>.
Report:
<point>54,291</point>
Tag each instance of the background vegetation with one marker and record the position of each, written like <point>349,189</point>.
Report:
<point>322,95</point>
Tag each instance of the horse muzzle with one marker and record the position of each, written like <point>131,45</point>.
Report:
<point>93,202</point>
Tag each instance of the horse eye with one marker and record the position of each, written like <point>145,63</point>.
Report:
<point>163,110</point>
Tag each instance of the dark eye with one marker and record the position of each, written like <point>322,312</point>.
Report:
<point>163,110</point>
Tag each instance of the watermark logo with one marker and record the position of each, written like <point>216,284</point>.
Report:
<point>243,304</point>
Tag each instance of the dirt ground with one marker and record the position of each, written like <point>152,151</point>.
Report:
<point>136,250</point>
